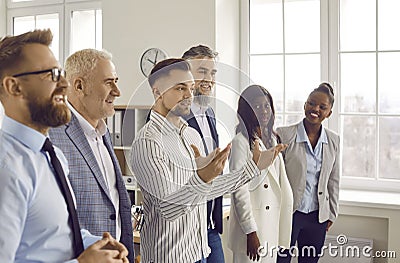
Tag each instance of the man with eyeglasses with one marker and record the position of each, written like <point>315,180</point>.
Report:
<point>103,203</point>
<point>38,217</point>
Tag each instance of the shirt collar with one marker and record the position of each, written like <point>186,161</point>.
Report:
<point>302,134</point>
<point>165,125</point>
<point>87,128</point>
<point>33,139</point>
<point>198,110</point>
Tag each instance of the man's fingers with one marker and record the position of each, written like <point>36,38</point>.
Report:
<point>107,235</point>
<point>100,243</point>
<point>256,146</point>
<point>222,156</point>
<point>281,147</point>
<point>195,150</point>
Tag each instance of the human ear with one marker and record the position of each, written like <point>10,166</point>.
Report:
<point>156,93</point>
<point>11,86</point>
<point>79,85</point>
<point>330,112</point>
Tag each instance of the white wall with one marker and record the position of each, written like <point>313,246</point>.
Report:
<point>131,27</point>
<point>3,21</point>
<point>228,45</point>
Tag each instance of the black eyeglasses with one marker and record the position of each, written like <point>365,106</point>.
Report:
<point>56,73</point>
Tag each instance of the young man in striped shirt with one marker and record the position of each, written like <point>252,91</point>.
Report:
<point>176,185</point>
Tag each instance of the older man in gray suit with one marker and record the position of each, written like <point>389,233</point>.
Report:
<point>102,200</point>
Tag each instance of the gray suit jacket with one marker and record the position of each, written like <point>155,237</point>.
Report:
<point>96,212</point>
<point>296,169</point>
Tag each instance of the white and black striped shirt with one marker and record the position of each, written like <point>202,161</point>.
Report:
<point>174,196</point>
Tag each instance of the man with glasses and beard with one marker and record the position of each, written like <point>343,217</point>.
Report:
<point>202,118</point>
<point>38,218</point>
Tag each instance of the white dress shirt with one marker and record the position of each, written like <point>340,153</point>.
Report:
<point>199,113</point>
<point>34,223</point>
<point>94,137</point>
<point>201,118</point>
<point>174,196</point>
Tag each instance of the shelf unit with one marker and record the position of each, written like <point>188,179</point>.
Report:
<point>123,126</point>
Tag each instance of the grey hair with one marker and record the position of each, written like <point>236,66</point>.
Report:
<point>82,62</point>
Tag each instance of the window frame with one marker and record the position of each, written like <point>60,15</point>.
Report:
<point>32,11</point>
<point>62,7</point>
<point>75,5</point>
<point>330,71</point>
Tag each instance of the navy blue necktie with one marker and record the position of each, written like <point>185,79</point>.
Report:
<point>62,183</point>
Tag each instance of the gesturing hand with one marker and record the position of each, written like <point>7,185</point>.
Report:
<point>211,165</point>
<point>264,159</point>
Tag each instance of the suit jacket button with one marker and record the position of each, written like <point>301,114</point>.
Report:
<point>320,193</point>
<point>267,207</point>
<point>113,216</point>
<point>265,185</point>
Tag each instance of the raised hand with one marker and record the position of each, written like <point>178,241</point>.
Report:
<point>264,159</point>
<point>211,165</point>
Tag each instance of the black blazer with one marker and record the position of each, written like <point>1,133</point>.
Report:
<point>191,120</point>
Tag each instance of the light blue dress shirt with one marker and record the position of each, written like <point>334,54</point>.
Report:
<point>33,212</point>
<point>309,202</point>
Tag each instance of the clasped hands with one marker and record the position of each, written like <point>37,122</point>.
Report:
<point>106,250</point>
<point>212,165</point>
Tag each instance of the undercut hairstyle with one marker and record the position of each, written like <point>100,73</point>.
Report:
<point>82,62</point>
<point>164,67</point>
<point>11,48</point>
<point>248,122</point>
<point>326,88</point>
<point>199,51</point>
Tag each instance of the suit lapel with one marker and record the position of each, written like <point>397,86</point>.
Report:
<point>325,156</point>
<point>118,172</point>
<point>271,169</point>
<point>191,120</point>
<point>77,136</point>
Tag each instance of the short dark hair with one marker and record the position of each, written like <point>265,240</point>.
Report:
<point>164,67</point>
<point>199,51</point>
<point>326,88</point>
<point>11,47</point>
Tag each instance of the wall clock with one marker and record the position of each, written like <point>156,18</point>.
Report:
<point>149,58</point>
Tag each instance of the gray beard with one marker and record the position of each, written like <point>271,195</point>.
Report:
<point>202,100</point>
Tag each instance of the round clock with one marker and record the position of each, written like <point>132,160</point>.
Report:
<point>149,58</point>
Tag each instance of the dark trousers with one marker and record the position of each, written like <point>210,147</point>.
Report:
<point>310,237</point>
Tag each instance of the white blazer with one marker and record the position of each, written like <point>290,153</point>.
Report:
<point>264,205</point>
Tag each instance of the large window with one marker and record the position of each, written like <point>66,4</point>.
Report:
<point>75,24</point>
<point>290,46</point>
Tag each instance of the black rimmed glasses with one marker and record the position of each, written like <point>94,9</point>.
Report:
<point>56,73</point>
